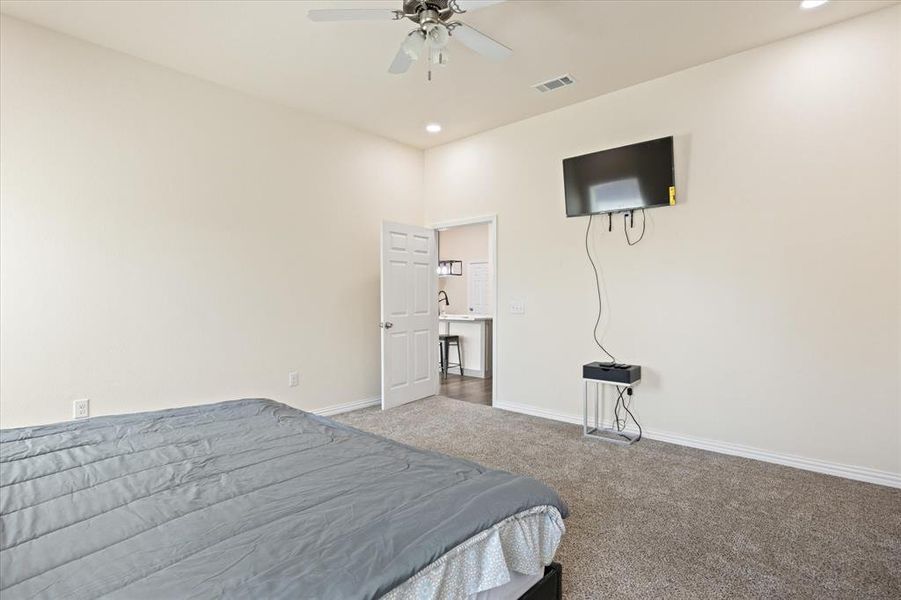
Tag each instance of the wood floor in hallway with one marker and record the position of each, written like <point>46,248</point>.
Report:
<point>469,389</point>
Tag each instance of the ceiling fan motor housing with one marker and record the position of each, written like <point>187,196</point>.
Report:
<point>425,11</point>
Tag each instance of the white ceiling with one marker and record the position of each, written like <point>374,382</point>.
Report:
<point>339,70</point>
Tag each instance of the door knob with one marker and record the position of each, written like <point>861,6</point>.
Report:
<point>386,325</point>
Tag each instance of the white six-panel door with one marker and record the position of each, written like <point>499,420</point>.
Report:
<point>409,317</point>
<point>478,287</point>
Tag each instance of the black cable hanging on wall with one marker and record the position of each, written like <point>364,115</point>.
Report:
<point>631,217</point>
<point>627,217</point>
<point>597,281</point>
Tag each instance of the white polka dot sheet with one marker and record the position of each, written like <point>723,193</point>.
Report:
<point>524,543</point>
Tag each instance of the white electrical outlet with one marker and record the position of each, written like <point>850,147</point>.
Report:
<point>80,408</point>
<point>293,379</point>
<point>517,307</point>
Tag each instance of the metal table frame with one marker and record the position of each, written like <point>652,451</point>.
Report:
<point>605,434</point>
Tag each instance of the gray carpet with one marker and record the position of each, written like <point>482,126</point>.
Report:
<point>663,521</point>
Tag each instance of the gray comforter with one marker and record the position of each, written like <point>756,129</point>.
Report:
<point>248,498</point>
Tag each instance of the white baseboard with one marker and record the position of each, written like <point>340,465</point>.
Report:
<point>808,464</point>
<point>474,373</point>
<point>337,409</point>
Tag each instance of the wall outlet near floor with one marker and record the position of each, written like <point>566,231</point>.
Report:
<point>517,307</point>
<point>293,379</point>
<point>80,408</point>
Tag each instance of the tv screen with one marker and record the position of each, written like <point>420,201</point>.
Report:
<point>620,179</point>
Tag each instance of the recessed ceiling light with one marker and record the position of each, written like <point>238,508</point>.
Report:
<point>813,3</point>
<point>433,128</point>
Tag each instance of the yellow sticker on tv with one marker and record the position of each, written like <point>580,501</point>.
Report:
<point>672,195</point>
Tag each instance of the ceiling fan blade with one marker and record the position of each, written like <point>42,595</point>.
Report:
<point>354,14</point>
<point>401,62</point>
<point>459,6</point>
<point>477,41</point>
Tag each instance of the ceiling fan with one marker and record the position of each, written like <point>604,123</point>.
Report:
<point>434,29</point>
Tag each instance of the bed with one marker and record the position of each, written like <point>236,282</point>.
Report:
<point>254,498</point>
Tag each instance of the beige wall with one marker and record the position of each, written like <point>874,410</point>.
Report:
<point>167,242</point>
<point>164,241</point>
<point>765,306</point>
<point>466,243</point>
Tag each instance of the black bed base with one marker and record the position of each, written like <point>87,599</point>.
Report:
<point>550,587</point>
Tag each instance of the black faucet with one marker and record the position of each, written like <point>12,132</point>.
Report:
<point>445,300</point>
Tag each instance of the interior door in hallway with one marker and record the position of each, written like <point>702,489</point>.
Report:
<point>478,288</point>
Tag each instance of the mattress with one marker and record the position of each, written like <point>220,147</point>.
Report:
<point>245,498</point>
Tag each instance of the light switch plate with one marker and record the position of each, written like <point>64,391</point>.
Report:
<point>517,307</point>
<point>293,379</point>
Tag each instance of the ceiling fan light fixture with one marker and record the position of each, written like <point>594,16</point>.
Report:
<point>437,35</point>
<point>414,44</point>
<point>438,56</point>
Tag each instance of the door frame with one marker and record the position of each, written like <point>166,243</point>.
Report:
<point>491,220</point>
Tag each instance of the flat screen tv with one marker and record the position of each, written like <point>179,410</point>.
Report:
<point>621,179</point>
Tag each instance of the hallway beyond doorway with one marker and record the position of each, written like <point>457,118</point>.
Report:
<point>468,389</point>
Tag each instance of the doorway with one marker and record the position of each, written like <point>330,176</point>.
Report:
<point>467,297</point>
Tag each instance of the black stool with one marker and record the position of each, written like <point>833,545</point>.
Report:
<point>444,344</point>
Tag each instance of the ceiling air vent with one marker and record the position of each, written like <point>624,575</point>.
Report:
<point>553,84</point>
